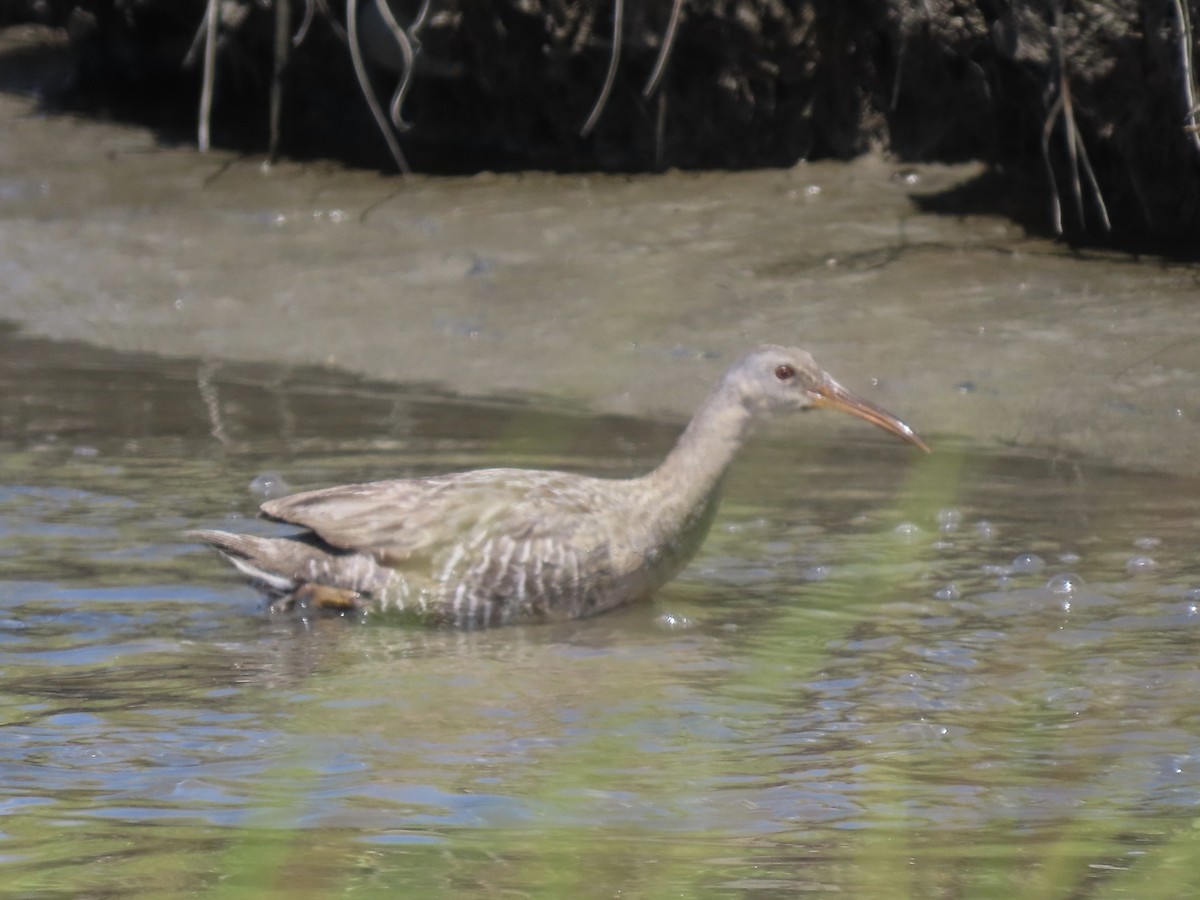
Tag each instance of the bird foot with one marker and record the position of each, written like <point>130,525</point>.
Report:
<point>319,598</point>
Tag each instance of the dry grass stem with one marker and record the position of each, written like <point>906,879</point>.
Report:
<point>211,19</point>
<point>364,83</point>
<point>310,9</point>
<point>410,47</point>
<point>613,61</point>
<point>1077,154</point>
<point>664,52</point>
<point>283,47</point>
<point>1185,61</point>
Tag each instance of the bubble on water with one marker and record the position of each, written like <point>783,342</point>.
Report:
<point>949,592</point>
<point>816,573</point>
<point>985,529</point>
<point>948,519</point>
<point>1066,583</point>
<point>1147,543</point>
<point>1028,562</point>
<point>908,530</point>
<point>1140,564</point>
<point>269,485</point>
<point>673,622</point>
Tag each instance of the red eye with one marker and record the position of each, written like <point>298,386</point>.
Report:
<point>785,372</point>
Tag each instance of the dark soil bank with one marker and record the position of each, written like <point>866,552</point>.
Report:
<point>1084,105</point>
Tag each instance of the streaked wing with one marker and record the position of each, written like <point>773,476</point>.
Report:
<point>395,520</point>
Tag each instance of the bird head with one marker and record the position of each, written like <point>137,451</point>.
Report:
<point>774,378</point>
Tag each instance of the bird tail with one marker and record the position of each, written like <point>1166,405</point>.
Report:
<point>282,565</point>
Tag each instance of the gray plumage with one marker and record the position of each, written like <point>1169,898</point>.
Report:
<point>499,546</point>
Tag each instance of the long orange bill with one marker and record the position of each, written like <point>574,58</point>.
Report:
<point>833,395</point>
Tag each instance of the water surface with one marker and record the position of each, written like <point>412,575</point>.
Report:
<point>961,675</point>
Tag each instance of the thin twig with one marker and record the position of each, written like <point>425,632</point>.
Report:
<point>283,47</point>
<point>1095,185</point>
<point>310,9</point>
<point>334,25</point>
<point>408,56</point>
<point>212,13</point>
<point>419,21</point>
<point>664,52</point>
<point>364,83</point>
<point>1185,56</point>
<point>1076,149</point>
<point>1072,136</point>
<point>1047,129</point>
<point>613,59</point>
<point>194,48</point>
<point>901,51</point>
<point>410,48</point>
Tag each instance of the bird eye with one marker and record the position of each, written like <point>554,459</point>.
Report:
<point>785,372</point>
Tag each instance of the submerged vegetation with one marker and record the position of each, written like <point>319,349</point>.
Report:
<point>1095,102</point>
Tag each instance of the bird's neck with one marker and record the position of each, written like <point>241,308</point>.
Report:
<point>693,470</point>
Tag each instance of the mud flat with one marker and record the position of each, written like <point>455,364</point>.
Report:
<point>612,293</point>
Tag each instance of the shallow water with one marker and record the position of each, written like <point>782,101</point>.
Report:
<point>875,680</point>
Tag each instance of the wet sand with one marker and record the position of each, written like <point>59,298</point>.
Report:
<point>614,294</point>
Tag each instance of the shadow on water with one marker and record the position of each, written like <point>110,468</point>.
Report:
<point>958,675</point>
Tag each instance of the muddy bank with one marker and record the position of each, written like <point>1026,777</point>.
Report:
<point>1084,110</point>
<point>624,294</point>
